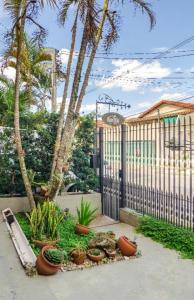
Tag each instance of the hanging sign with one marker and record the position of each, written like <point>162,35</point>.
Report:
<point>113,119</point>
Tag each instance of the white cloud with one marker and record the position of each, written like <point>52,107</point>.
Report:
<point>64,55</point>
<point>9,73</point>
<point>173,96</point>
<point>144,104</point>
<point>132,75</point>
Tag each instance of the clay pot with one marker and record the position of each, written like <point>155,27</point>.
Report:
<point>43,266</point>
<point>95,258</point>
<point>41,244</point>
<point>78,257</point>
<point>81,229</point>
<point>126,246</point>
<point>111,254</point>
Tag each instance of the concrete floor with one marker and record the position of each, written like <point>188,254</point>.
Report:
<point>158,275</point>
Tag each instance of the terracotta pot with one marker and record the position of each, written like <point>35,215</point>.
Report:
<point>126,246</point>
<point>111,254</point>
<point>41,244</point>
<point>95,258</point>
<point>78,257</point>
<point>43,266</point>
<point>81,229</point>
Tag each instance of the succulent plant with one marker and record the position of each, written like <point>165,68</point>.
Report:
<point>95,252</point>
<point>54,256</point>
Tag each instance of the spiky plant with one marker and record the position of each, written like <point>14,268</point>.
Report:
<point>85,213</point>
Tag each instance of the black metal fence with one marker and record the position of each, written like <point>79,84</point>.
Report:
<point>149,167</point>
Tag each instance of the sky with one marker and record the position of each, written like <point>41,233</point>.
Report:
<point>135,79</point>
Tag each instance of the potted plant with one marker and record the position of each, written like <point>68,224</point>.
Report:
<point>110,253</point>
<point>50,260</point>
<point>127,247</point>
<point>78,252</point>
<point>95,255</point>
<point>85,216</point>
<point>44,224</point>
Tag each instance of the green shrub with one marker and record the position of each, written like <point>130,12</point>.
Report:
<point>85,214</point>
<point>45,220</point>
<point>172,237</point>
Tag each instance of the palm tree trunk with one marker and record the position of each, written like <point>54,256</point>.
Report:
<point>63,104</point>
<point>71,119</point>
<point>20,151</point>
<point>92,57</point>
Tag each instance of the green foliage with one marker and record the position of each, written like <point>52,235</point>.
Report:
<point>55,256</point>
<point>69,240</point>
<point>78,246</point>
<point>68,237</point>
<point>95,252</point>
<point>82,149</point>
<point>45,220</point>
<point>38,139</point>
<point>182,240</point>
<point>85,214</point>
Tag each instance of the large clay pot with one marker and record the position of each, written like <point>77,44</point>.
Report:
<point>126,246</point>
<point>40,244</point>
<point>43,266</point>
<point>81,229</point>
<point>95,258</point>
<point>78,257</point>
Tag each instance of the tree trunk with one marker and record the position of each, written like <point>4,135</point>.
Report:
<point>71,120</point>
<point>92,57</point>
<point>63,104</point>
<point>20,151</point>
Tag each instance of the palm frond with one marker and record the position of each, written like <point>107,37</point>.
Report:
<point>146,8</point>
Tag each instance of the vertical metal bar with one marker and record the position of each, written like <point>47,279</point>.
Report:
<point>191,175</point>
<point>185,166</point>
<point>143,198</point>
<point>174,176</point>
<point>101,147</point>
<point>179,171</point>
<point>163,199</point>
<point>123,164</point>
<point>169,168</point>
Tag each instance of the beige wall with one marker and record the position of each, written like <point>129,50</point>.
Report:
<point>71,201</point>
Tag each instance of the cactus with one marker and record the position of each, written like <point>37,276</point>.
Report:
<point>54,256</point>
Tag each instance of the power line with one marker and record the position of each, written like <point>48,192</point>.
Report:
<point>182,43</point>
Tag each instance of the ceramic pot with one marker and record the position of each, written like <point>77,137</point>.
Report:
<point>41,244</point>
<point>111,254</point>
<point>78,257</point>
<point>43,266</point>
<point>126,246</point>
<point>95,258</point>
<point>81,229</point>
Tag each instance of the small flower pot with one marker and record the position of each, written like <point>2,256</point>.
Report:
<point>111,254</point>
<point>95,258</point>
<point>126,246</point>
<point>81,229</point>
<point>43,266</point>
<point>78,257</point>
<point>40,244</point>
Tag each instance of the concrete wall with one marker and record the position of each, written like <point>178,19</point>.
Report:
<point>129,216</point>
<point>67,200</point>
<point>73,200</point>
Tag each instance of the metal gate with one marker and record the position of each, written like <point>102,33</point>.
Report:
<point>111,170</point>
<point>149,168</point>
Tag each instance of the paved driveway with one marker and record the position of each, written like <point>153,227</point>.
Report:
<point>158,275</point>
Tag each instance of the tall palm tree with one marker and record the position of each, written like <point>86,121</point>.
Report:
<point>96,20</point>
<point>33,71</point>
<point>20,11</point>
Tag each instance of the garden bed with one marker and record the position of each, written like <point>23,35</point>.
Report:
<point>68,237</point>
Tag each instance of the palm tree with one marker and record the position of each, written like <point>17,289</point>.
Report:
<point>92,34</point>
<point>33,71</point>
<point>7,101</point>
<point>20,11</point>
